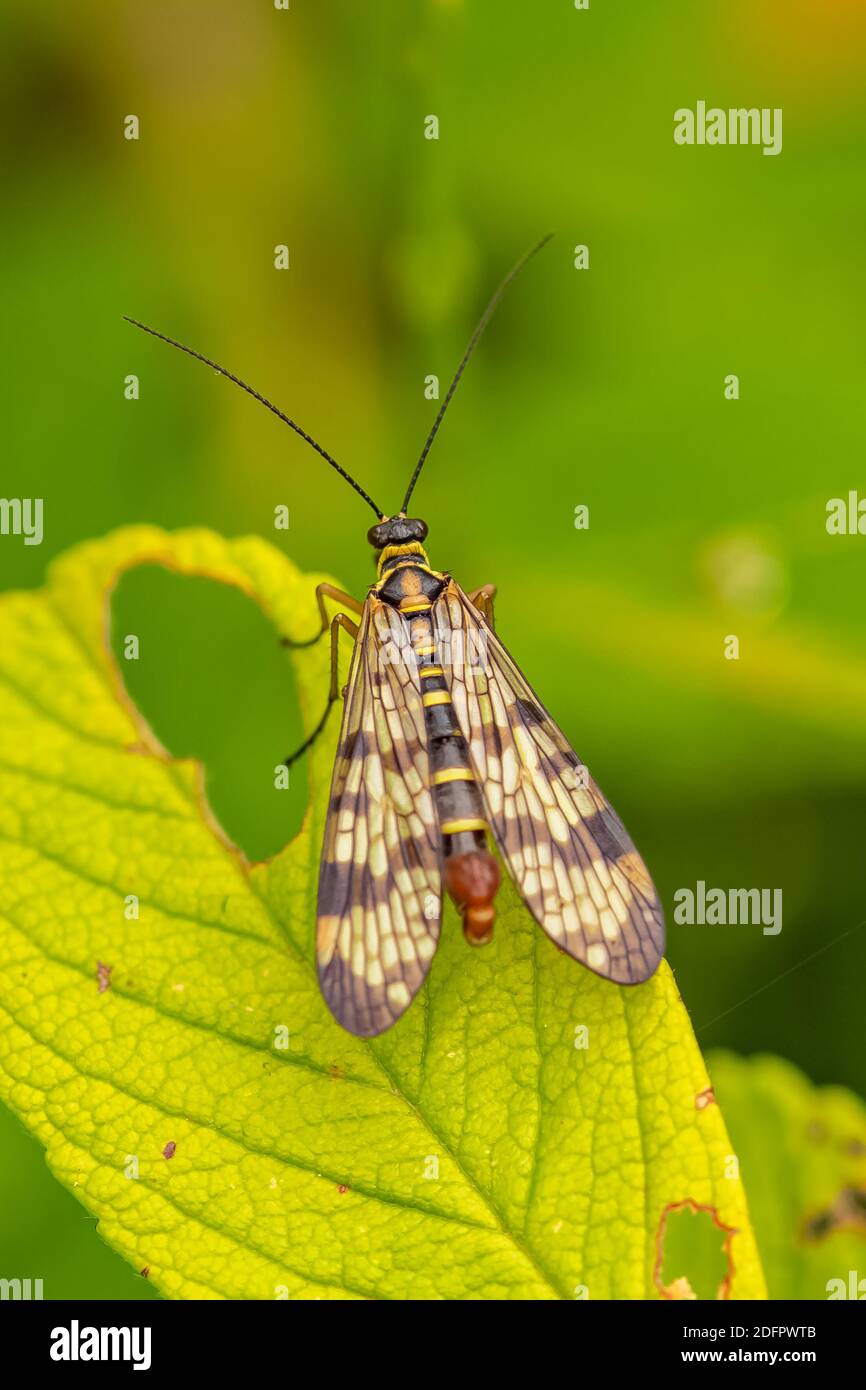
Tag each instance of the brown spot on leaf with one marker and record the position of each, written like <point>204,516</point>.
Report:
<point>705,1098</point>
<point>103,976</point>
<point>145,1273</point>
<point>846,1213</point>
<point>342,1187</point>
<point>168,1151</point>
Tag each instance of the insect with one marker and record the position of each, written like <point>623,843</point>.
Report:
<point>443,745</point>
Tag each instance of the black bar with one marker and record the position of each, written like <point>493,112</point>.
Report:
<point>227,1339</point>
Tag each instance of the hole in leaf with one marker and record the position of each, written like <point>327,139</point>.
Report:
<point>693,1253</point>
<point>213,683</point>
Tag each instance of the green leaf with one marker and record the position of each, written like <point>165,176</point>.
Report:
<point>802,1152</point>
<point>472,1152</point>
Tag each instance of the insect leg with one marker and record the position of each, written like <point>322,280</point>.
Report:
<point>324,591</point>
<point>340,620</point>
<point>482,599</point>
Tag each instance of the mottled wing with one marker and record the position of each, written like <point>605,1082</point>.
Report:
<point>577,869</point>
<point>380,881</point>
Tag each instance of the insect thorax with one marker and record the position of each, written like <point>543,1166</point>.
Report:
<point>406,578</point>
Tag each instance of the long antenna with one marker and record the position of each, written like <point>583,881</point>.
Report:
<point>482,324</point>
<point>264,401</point>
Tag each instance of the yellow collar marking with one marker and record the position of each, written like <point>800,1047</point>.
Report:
<point>410,548</point>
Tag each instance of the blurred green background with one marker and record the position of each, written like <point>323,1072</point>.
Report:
<point>305,127</point>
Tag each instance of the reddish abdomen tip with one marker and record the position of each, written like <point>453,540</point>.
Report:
<point>471,881</point>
